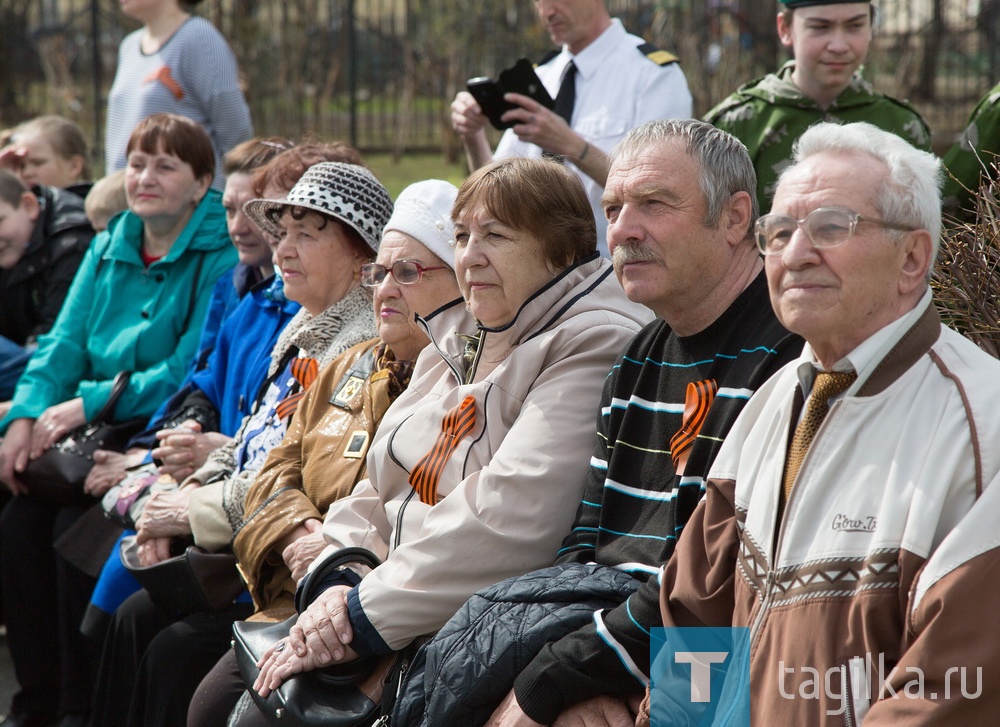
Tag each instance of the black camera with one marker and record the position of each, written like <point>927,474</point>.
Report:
<point>520,78</point>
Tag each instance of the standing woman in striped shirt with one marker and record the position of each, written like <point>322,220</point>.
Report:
<point>176,63</point>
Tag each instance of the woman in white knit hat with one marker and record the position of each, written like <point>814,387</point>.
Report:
<point>323,453</point>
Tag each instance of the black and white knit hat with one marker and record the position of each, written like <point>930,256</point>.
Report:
<point>345,192</point>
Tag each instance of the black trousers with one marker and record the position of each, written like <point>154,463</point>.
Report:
<point>153,660</point>
<point>217,694</point>
<point>44,598</point>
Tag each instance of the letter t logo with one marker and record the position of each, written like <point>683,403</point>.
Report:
<point>701,671</point>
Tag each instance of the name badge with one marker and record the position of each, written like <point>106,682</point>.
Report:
<point>357,445</point>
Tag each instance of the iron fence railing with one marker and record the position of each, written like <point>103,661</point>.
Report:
<point>382,73</point>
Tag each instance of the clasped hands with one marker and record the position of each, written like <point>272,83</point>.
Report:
<point>26,439</point>
<point>320,637</point>
<point>164,517</point>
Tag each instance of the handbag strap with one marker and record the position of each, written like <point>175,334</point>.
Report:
<point>106,414</point>
<point>304,594</point>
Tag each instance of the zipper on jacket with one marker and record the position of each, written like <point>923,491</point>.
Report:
<point>772,577</point>
<point>399,518</point>
<point>470,373</point>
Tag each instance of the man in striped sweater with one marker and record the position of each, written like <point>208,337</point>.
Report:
<point>681,205</point>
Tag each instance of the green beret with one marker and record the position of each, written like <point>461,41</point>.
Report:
<point>792,4</point>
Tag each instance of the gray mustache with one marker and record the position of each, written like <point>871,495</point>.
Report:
<point>625,254</point>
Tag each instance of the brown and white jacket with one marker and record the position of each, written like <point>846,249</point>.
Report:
<point>868,599</point>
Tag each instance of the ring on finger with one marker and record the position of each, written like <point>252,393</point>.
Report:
<point>280,646</point>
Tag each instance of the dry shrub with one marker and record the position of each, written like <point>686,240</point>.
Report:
<point>966,282</point>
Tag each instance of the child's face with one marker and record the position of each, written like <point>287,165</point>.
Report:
<point>16,226</point>
<point>42,165</point>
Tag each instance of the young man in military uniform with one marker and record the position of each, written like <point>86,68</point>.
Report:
<point>829,40</point>
<point>973,158</point>
<point>618,82</point>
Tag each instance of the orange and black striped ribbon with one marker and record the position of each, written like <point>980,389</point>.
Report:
<point>455,426</point>
<point>697,401</point>
<point>304,370</point>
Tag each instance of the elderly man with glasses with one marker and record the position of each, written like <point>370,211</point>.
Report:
<point>849,521</point>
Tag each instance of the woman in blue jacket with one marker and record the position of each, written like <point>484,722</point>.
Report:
<point>136,304</point>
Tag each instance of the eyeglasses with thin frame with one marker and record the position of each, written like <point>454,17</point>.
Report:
<point>405,272</point>
<point>825,227</point>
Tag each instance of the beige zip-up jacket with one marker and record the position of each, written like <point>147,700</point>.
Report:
<point>508,492</point>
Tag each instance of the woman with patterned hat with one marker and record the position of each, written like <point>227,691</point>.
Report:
<point>324,453</point>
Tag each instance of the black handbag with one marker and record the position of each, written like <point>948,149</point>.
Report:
<point>192,581</point>
<point>342,695</point>
<point>58,474</point>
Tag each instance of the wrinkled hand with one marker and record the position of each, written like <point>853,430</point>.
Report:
<point>165,515</point>
<point>304,550</point>
<point>184,449</point>
<point>109,469</point>
<point>54,422</point>
<point>318,638</point>
<point>153,551</point>
<point>541,126</point>
<point>603,711</point>
<point>510,714</point>
<point>14,452</point>
<point>467,118</point>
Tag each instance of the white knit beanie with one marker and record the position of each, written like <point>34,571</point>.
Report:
<point>423,211</point>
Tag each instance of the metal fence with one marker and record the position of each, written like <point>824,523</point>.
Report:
<point>382,73</point>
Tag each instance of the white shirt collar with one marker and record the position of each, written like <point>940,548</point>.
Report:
<point>593,56</point>
<point>868,354</point>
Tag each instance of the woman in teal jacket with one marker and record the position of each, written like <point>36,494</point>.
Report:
<point>137,304</point>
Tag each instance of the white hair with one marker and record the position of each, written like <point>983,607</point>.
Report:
<point>911,194</point>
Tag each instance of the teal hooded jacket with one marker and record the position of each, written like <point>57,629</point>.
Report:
<point>120,315</point>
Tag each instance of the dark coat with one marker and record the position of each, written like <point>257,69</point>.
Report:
<point>461,675</point>
<point>33,290</point>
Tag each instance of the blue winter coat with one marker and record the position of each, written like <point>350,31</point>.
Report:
<point>238,366</point>
<point>120,315</point>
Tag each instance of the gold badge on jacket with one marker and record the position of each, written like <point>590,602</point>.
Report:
<point>348,390</point>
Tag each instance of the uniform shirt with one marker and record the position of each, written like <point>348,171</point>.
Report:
<point>769,114</point>
<point>975,151</point>
<point>617,88</point>
<point>193,74</point>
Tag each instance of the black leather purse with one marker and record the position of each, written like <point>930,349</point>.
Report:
<point>58,474</point>
<point>343,695</point>
<point>195,580</point>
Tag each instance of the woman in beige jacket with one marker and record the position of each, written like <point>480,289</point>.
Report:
<point>475,472</point>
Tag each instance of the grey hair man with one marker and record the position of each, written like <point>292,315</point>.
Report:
<point>680,209</point>
<point>849,519</point>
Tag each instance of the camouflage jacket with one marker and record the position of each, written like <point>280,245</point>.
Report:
<point>768,114</point>
<point>973,153</point>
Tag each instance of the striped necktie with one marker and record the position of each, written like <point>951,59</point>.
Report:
<point>827,385</point>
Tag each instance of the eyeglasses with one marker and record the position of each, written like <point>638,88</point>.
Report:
<point>825,227</point>
<point>406,272</point>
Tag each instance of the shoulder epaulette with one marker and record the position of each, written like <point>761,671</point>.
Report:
<point>548,57</point>
<point>659,57</point>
